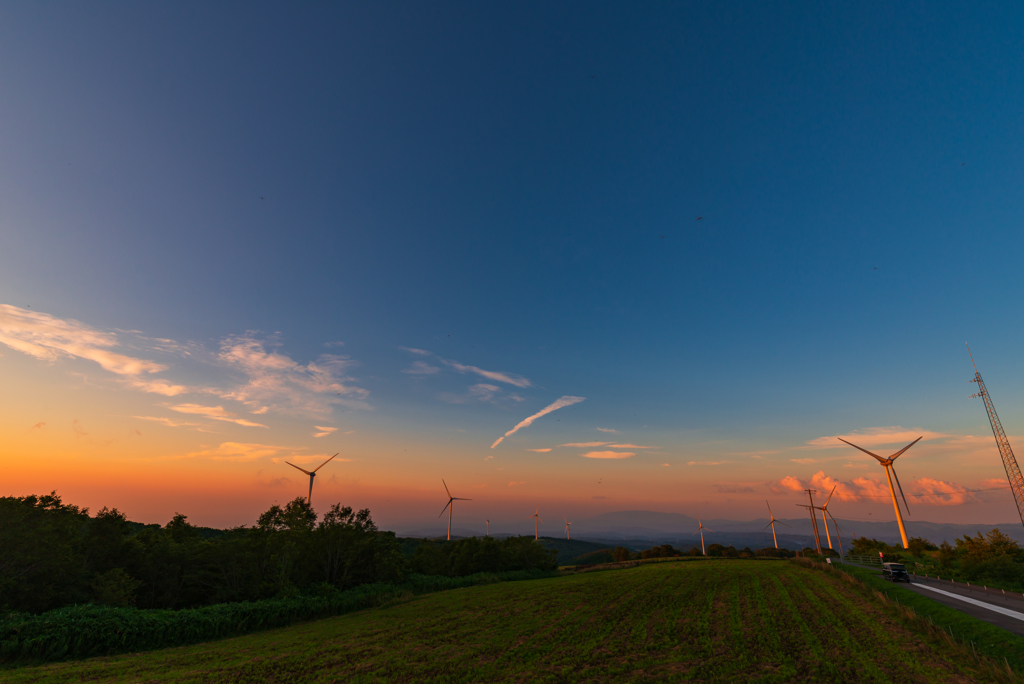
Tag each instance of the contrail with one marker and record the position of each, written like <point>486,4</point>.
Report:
<point>564,401</point>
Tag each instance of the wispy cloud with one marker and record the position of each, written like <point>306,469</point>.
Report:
<point>214,413</point>
<point>421,368</point>
<point>583,445</point>
<point>875,437</point>
<point>40,425</point>
<point>561,403</point>
<point>277,381</point>
<point>541,451</point>
<point>324,431</point>
<point>49,338</point>
<point>240,451</point>
<point>413,350</point>
<point>609,454</point>
<point>630,446</point>
<point>707,463</point>
<point>496,376</point>
<point>170,423</point>
<point>608,430</point>
<point>666,465</point>
<point>513,484</point>
<point>733,489</point>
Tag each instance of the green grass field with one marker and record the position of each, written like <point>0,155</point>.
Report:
<point>671,621</point>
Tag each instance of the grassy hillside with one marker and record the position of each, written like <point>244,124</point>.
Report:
<point>672,621</point>
<point>569,549</point>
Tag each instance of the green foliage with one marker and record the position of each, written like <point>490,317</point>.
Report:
<point>663,551</point>
<point>54,555</point>
<point>476,555</point>
<point>90,630</point>
<point>594,558</point>
<point>620,554</point>
<point>706,621</point>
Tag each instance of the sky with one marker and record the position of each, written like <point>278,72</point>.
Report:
<point>707,238</point>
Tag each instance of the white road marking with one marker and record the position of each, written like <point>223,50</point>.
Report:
<point>998,609</point>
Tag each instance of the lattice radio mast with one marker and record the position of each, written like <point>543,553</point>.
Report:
<point>1013,473</point>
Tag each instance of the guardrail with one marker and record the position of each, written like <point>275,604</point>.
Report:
<point>972,588</point>
<point>863,560</point>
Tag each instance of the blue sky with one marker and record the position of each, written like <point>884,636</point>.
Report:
<point>517,188</point>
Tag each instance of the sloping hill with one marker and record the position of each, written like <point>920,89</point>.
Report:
<point>720,621</point>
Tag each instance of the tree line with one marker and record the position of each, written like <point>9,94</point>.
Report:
<point>54,554</point>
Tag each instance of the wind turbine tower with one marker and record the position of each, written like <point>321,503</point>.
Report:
<point>567,523</point>
<point>536,519</point>
<point>448,507</point>
<point>312,476</point>
<point>772,524</point>
<point>488,528</point>
<point>701,528</point>
<point>890,473</point>
<point>1013,473</point>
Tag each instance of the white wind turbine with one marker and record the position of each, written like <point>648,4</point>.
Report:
<point>567,523</point>
<point>772,524</point>
<point>824,512</point>
<point>312,475</point>
<point>536,517</point>
<point>448,507</point>
<point>890,473</point>
<point>701,528</point>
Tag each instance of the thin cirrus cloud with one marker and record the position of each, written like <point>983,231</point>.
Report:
<point>422,368</point>
<point>324,431</point>
<point>560,403</point>
<point>630,446</point>
<point>172,423</point>
<point>541,451</point>
<point>609,454</point>
<point>601,429</point>
<point>241,451</point>
<point>49,338</point>
<point>875,437</point>
<point>276,381</point>
<point>583,445</point>
<point>214,413</point>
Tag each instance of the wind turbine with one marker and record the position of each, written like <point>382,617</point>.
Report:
<point>312,475</point>
<point>701,528</point>
<point>824,510</point>
<point>772,524</point>
<point>488,528</point>
<point>536,517</point>
<point>567,523</point>
<point>448,507</point>
<point>890,473</point>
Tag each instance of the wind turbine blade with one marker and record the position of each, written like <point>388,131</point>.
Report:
<point>900,452</point>
<point>446,488</point>
<point>779,522</point>
<point>901,489</point>
<point>829,497</point>
<point>768,525</point>
<point>880,459</point>
<point>457,498</point>
<point>326,462</point>
<point>445,508</point>
<point>770,514</point>
<point>298,468</point>
<point>540,519</point>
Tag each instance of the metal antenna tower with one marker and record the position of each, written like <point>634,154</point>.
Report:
<point>1005,452</point>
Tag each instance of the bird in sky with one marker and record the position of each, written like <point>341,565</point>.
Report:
<point>699,218</point>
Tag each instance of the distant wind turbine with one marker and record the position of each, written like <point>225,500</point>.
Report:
<point>312,475</point>
<point>448,507</point>
<point>536,517</point>
<point>772,524</point>
<point>890,473</point>
<point>488,528</point>
<point>567,523</point>
<point>701,528</point>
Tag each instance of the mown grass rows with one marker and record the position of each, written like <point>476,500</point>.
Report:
<point>720,621</point>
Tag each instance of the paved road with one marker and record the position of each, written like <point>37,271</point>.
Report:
<point>1006,613</point>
